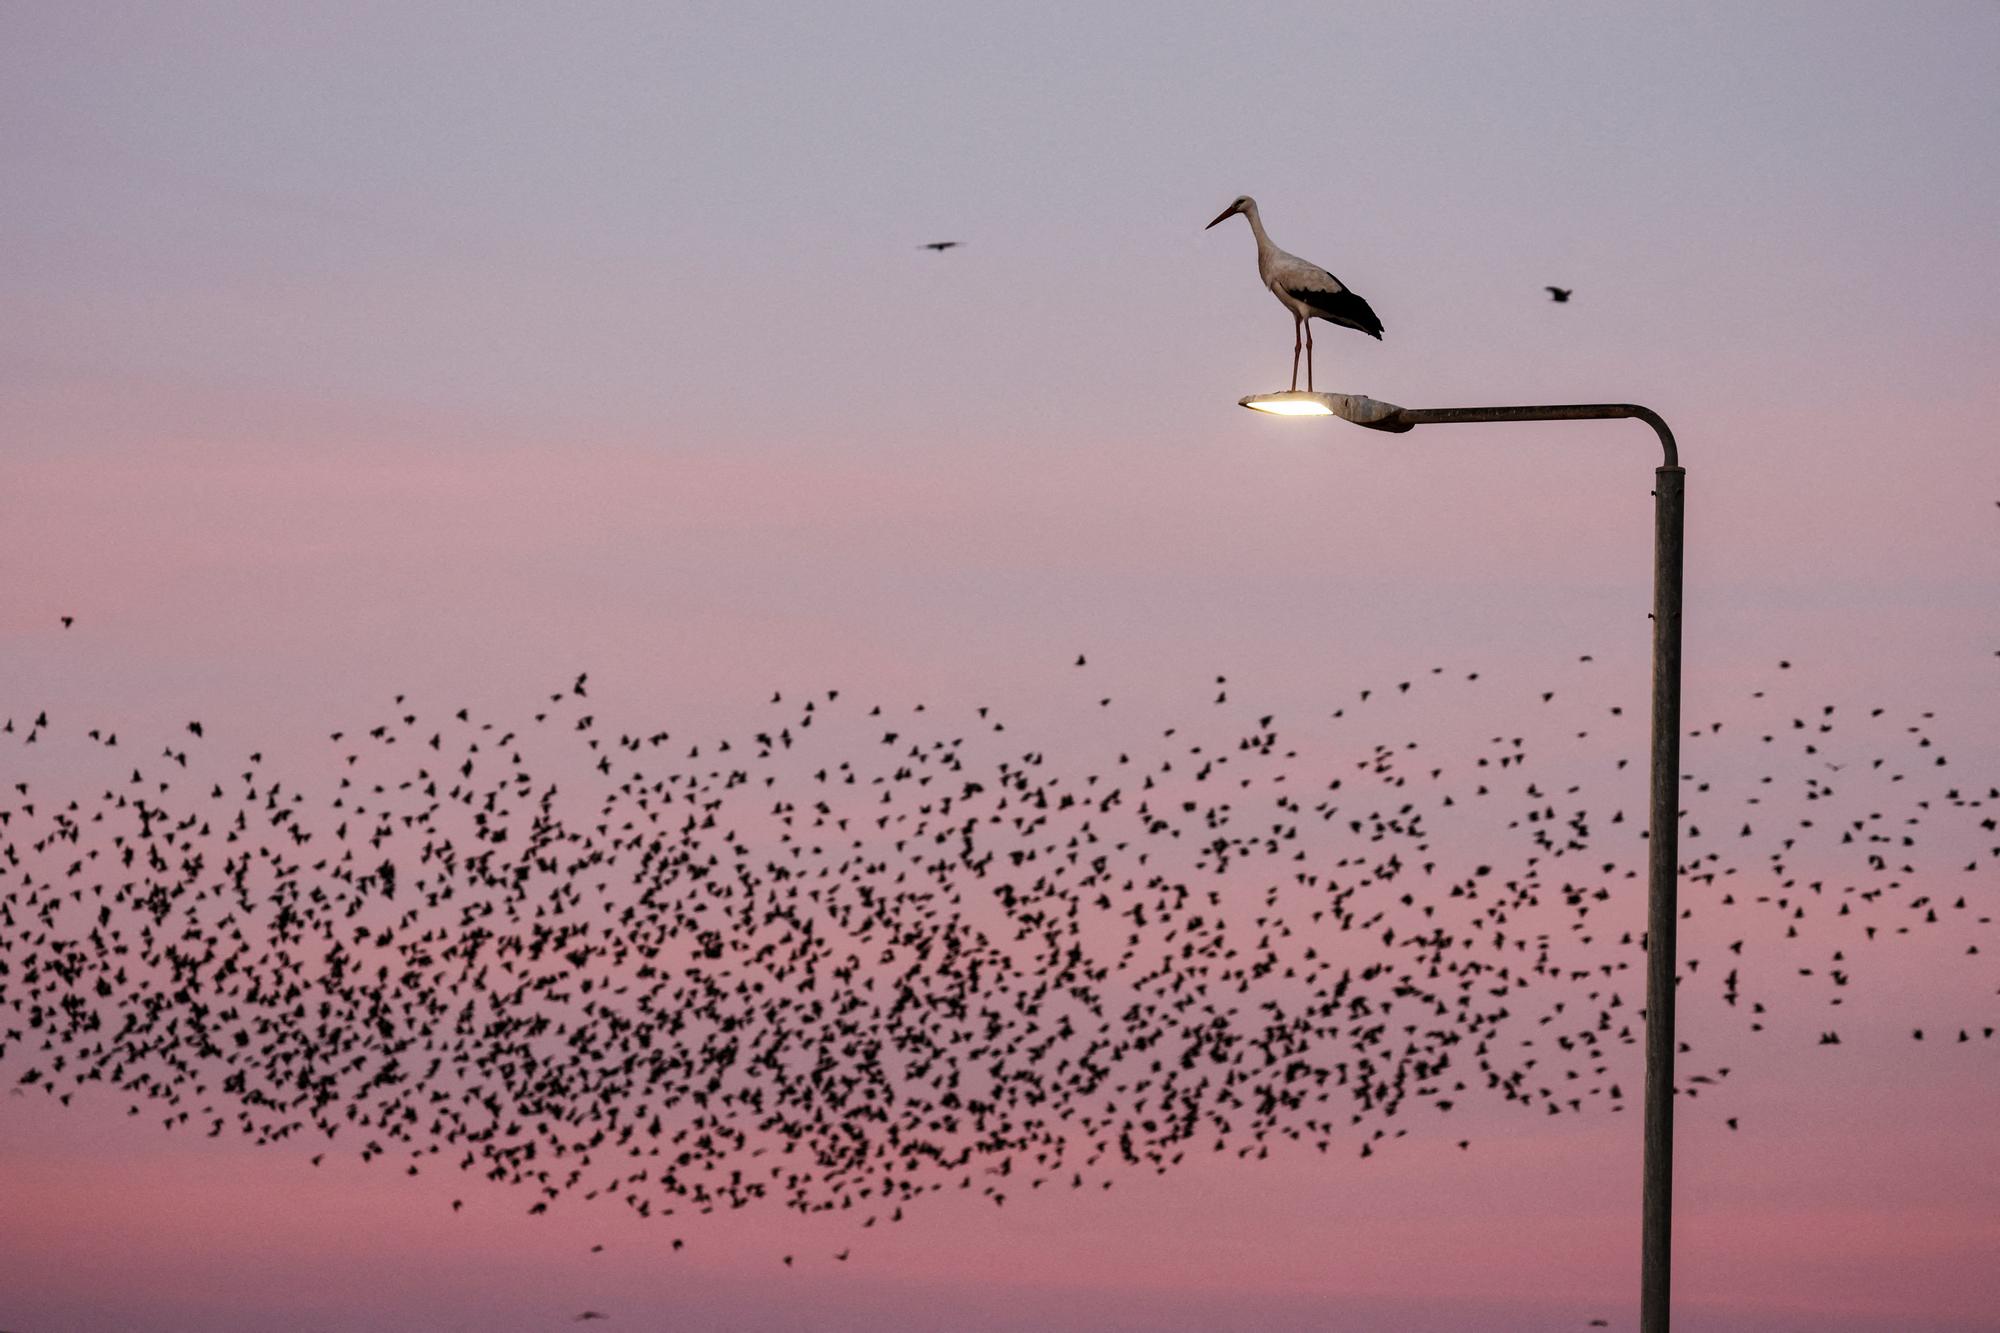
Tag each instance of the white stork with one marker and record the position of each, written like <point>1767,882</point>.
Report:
<point>1307,290</point>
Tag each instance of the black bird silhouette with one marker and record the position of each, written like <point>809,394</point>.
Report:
<point>1559,294</point>
<point>940,246</point>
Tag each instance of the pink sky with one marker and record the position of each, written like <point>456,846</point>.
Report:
<point>381,351</point>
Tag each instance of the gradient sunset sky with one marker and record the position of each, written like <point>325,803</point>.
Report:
<point>452,350</point>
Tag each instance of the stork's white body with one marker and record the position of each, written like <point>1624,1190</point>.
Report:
<point>1305,289</point>
<point>1284,272</point>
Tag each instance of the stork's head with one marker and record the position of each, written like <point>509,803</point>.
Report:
<point>1243,203</point>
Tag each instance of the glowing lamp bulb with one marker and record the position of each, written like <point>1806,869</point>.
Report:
<point>1295,404</point>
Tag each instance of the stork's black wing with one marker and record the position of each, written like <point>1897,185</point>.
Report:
<point>1339,306</point>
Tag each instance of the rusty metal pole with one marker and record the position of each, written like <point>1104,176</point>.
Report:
<point>1656,1205</point>
<point>1662,903</point>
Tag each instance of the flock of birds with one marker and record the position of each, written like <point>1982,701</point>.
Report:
<point>853,957</point>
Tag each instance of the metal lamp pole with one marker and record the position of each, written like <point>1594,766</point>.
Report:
<point>1669,486</point>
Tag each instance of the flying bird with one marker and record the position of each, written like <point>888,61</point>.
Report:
<point>1559,294</point>
<point>1307,290</point>
<point>940,246</point>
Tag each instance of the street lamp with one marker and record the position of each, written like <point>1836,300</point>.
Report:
<point>1669,485</point>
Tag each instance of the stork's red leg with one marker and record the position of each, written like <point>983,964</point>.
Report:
<point>1309,354</point>
<point>1297,324</point>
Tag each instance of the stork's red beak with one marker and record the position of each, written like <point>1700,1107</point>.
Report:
<point>1223,214</point>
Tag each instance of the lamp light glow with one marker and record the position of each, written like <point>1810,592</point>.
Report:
<point>1355,407</point>
<point>1297,403</point>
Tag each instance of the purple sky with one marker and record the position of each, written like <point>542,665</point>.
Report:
<point>357,350</point>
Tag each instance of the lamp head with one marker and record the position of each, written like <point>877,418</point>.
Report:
<point>1296,403</point>
<point>1357,408</point>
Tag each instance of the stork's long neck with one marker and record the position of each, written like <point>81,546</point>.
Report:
<point>1264,245</point>
<point>1265,249</point>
